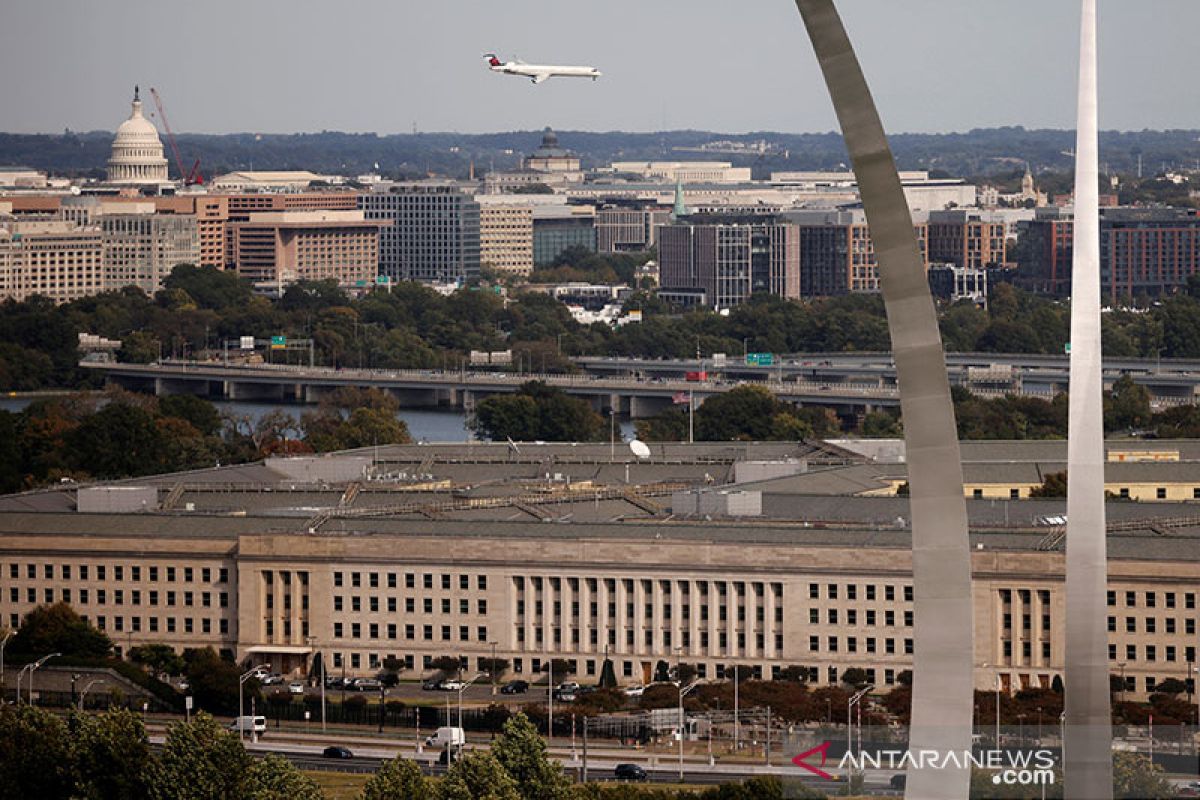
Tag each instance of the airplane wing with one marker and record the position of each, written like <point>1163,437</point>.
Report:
<point>541,76</point>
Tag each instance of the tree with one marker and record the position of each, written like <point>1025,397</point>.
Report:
<point>209,287</point>
<point>112,756</point>
<point>276,778</point>
<point>662,672</point>
<point>538,412</point>
<point>855,676</point>
<point>794,672</point>
<point>58,629</point>
<point>35,755</point>
<point>1056,685</point>
<point>521,751</point>
<point>398,779</point>
<point>161,659</point>
<point>390,676</point>
<point>494,668</point>
<point>1053,485</point>
<point>684,673</point>
<point>478,776</point>
<point>199,761</point>
<point>447,664</point>
<point>1170,686</point>
<point>562,667</point>
<point>1134,776</point>
<point>214,681</point>
<point>202,414</point>
<point>1127,406</point>
<point>608,675</point>
<point>117,441</point>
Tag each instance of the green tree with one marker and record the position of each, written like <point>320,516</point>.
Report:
<point>478,776</point>
<point>35,754</point>
<point>112,756</point>
<point>159,658</point>
<point>202,414</point>
<point>1127,406</point>
<point>1053,485</point>
<point>58,629</point>
<point>495,668</point>
<point>200,761</point>
<point>521,751</point>
<point>447,665</point>
<point>855,676</point>
<point>1134,776</point>
<point>276,778</point>
<point>209,287</point>
<point>538,412</point>
<point>214,681</point>
<point>745,412</point>
<point>117,441</point>
<point>398,779</point>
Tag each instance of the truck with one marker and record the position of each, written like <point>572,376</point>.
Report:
<point>696,376</point>
<point>249,724</point>
<point>447,737</point>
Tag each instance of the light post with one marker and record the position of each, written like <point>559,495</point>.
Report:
<point>34,668</point>
<point>1121,665</point>
<point>241,708</point>
<point>461,688</point>
<point>737,739</point>
<point>850,704</point>
<point>312,639</point>
<point>986,666</point>
<point>683,692</point>
<point>492,670</point>
<point>3,674</point>
<point>549,701</point>
<point>86,689</point>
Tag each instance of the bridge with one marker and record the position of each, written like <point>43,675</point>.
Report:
<point>848,383</point>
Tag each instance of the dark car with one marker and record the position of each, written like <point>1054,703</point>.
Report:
<point>432,685</point>
<point>337,751</point>
<point>629,772</point>
<point>515,687</point>
<point>897,781</point>
<point>449,755</point>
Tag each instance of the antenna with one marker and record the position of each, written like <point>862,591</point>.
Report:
<point>639,448</point>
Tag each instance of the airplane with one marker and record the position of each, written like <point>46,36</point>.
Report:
<point>538,72</point>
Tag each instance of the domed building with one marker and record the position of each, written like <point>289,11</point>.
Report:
<point>137,153</point>
<point>549,157</point>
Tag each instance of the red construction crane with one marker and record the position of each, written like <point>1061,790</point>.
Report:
<point>193,177</point>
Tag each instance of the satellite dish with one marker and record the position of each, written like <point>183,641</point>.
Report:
<point>639,448</point>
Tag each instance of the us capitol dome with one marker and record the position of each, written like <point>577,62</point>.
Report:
<point>137,152</point>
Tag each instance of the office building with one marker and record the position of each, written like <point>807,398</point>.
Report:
<point>49,258</point>
<point>557,228</point>
<point>628,227</point>
<point>683,171</point>
<point>953,283</point>
<point>967,238</point>
<point>271,562</point>
<point>141,247</point>
<point>434,230</point>
<point>730,258</point>
<point>837,255</point>
<point>505,234</point>
<point>276,248</point>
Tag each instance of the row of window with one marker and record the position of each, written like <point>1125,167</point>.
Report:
<point>374,605</point>
<point>667,639</point>
<point>685,611</point>
<point>84,597</point>
<point>1170,653</point>
<point>85,572</point>
<point>392,630</point>
<point>870,592</point>
<point>1151,599</point>
<point>870,617</point>
<point>1150,625</point>
<point>410,580</point>
<point>851,645</point>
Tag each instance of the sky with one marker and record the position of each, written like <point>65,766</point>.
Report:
<point>385,66</point>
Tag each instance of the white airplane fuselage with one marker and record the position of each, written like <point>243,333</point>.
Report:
<point>541,72</point>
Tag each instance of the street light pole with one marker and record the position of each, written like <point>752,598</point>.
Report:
<point>550,702</point>
<point>737,738</point>
<point>86,689</point>
<point>682,721</point>
<point>850,704</point>
<point>241,703</point>
<point>3,674</point>
<point>35,667</point>
<point>493,668</point>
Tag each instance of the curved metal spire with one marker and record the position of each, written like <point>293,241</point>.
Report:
<point>943,697</point>
<point>1088,758</point>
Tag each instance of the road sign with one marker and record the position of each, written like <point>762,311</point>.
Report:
<point>278,342</point>
<point>760,359</point>
<point>246,342</point>
<point>187,702</point>
<point>382,280</point>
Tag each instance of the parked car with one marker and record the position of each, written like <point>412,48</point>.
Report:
<point>629,772</point>
<point>515,687</point>
<point>270,680</point>
<point>337,751</point>
<point>567,686</point>
<point>296,687</point>
<point>367,685</point>
<point>450,685</point>
<point>431,685</point>
<point>634,691</point>
<point>449,755</point>
<point>566,696</point>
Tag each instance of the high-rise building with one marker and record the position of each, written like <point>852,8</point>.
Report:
<point>837,255</point>
<point>51,258</point>
<point>628,227</point>
<point>434,231</point>
<point>557,228</point>
<point>730,258</point>
<point>141,249</point>
<point>972,239</point>
<point>505,234</point>
<point>137,153</point>
<point>1143,251</point>
<point>282,247</point>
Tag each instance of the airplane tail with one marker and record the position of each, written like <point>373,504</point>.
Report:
<point>492,60</point>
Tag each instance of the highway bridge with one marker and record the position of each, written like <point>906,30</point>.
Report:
<point>849,384</point>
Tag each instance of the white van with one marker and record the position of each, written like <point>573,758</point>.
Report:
<point>249,724</point>
<point>447,737</point>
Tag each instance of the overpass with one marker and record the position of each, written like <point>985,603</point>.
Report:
<point>848,383</point>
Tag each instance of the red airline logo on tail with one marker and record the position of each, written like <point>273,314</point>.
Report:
<point>800,761</point>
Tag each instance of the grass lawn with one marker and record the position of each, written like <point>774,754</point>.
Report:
<point>339,785</point>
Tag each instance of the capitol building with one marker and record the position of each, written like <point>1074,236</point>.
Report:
<point>137,153</point>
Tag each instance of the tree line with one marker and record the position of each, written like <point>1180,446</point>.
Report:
<point>200,310</point>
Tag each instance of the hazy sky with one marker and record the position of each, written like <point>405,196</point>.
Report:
<point>745,65</point>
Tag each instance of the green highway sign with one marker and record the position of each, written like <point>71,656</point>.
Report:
<point>760,359</point>
<point>278,342</point>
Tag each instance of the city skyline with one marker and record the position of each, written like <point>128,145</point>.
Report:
<point>967,67</point>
